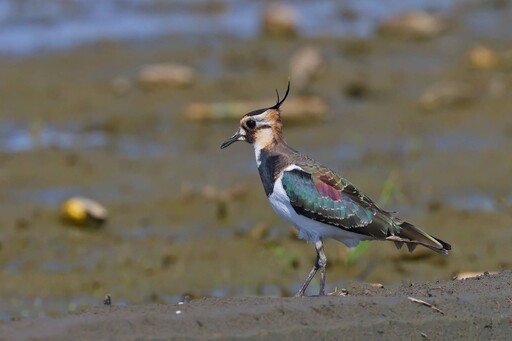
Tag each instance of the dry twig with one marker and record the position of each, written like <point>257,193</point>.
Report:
<point>415,300</point>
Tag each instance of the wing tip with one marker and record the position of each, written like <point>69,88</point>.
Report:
<point>412,236</point>
<point>445,247</point>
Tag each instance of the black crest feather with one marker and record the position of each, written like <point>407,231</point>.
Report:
<point>275,106</point>
<point>279,102</point>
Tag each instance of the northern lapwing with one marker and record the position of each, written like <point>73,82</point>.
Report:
<point>317,201</point>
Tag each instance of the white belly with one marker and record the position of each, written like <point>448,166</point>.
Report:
<point>309,229</point>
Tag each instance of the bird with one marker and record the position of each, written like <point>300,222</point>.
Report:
<point>317,201</point>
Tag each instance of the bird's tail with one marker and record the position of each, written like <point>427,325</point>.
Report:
<point>412,236</point>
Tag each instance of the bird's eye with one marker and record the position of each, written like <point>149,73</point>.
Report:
<point>251,124</point>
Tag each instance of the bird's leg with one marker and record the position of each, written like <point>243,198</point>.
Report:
<point>320,263</point>
<point>304,285</point>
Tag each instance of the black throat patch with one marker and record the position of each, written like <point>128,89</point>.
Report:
<point>270,167</point>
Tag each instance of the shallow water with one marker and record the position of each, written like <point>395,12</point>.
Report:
<point>31,25</point>
<point>18,137</point>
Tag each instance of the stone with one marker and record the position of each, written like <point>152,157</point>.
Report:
<point>280,20</point>
<point>482,57</point>
<point>81,211</point>
<point>413,25</point>
<point>305,64</point>
<point>166,75</point>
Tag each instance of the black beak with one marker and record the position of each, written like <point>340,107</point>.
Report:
<point>231,140</point>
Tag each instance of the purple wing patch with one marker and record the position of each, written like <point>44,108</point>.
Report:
<point>327,191</point>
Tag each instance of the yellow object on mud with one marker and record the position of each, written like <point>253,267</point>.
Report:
<point>83,211</point>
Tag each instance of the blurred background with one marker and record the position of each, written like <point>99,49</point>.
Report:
<point>126,102</point>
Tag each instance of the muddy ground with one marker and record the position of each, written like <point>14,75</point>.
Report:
<point>472,309</point>
<point>67,130</point>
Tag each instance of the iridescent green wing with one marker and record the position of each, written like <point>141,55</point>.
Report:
<point>319,194</point>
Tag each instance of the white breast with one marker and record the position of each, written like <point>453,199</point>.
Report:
<point>257,153</point>
<point>309,229</point>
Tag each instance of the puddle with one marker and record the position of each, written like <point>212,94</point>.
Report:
<point>220,292</point>
<point>53,266</point>
<point>54,196</point>
<point>43,307</point>
<point>18,137</point>
<point>56,267</point>
<point>30,26</point>
<point>183,233</point>
<point>451,142</point>
<point>314,287</point>
<point>485,22</point>
<point>82,302</point>
<point>230,291</point>
<point>473,202</point>
<point>13,267</point>
<point>458,142</point>
<point>132,148</point>
<point>508,200</point>
<point>4,316</point>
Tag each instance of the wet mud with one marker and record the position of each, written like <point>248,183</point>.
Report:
<point>477,308</point>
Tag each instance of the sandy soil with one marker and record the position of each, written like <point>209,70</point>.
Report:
<point>476,308</point>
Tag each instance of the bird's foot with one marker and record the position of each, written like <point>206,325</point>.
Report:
<point>300,293</point>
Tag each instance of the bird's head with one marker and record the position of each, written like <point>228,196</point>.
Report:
<point>260,127</point>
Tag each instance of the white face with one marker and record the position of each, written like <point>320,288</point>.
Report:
<point>257,129</point>
<point>260,127</point>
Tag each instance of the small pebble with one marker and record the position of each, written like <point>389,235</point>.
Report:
<point>22,224</point>
<point>166,75</point>
<point>305,65</point>
<point>280,20</point>
<point>120,85</point>
<point>446,94</point>
<point>482,57</point>
<point>304,109</point>
<point>83,212</point>
<point>107,300</point>
<point>259,232</point>
<point>356,87</point>
<point>466,275</point>
<point>413,25</point>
